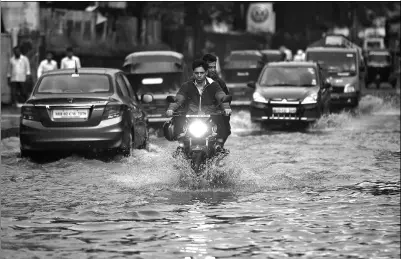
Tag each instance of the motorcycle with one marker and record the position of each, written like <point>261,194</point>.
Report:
<point>198,141</point>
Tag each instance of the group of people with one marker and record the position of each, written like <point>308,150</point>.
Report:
<point>204,91</point>
<point>19,72</point>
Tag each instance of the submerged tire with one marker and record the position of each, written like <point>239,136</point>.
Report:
<point>126,146</point>
<point>197,162</point>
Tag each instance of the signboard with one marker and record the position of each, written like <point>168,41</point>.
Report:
<point>261,18</point>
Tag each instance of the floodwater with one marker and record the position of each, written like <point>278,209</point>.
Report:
<point>332,191</point>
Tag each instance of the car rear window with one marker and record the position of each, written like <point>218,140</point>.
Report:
<point>69,84</point>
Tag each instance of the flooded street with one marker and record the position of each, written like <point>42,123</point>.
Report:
<point>332,191</point>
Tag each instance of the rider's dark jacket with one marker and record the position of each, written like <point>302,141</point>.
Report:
<point>189,95</point>
<point>220,81</point>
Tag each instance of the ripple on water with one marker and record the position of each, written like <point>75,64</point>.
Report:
<point>330,192</point>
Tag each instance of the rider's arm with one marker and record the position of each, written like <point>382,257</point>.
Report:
<point>219,94</point>
<point>181,96</point>
<point>223,86</point>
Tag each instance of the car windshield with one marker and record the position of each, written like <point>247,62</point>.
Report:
<point>373,44</point>
<point>379,58</point>
<point>69,84</point>
<point>334,62</point>
<point>289,76</point>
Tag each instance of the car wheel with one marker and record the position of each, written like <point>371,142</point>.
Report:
<point>126,146</point>
<point>26,153</point>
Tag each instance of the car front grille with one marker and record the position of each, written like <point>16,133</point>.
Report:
<point>337,89</point>
<point>284,116</point>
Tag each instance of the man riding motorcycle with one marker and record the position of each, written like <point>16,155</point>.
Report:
<point>201,94</point>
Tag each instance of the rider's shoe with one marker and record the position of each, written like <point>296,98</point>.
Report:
<point>221,150</point>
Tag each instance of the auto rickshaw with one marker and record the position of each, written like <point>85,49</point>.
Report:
<point>160,73</point>
<point>379,68</point>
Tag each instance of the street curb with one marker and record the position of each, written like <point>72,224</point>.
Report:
<point>9,132</point>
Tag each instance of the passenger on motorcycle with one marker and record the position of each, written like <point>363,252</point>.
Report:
<point>211,60</point>
<point>201,94</point>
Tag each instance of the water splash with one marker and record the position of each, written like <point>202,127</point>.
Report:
<point>371,104</point>
<point>216,174</point>
<point>241,122</point>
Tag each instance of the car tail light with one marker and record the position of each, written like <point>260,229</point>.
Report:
<point>29,113</point>
<point>112,111</point>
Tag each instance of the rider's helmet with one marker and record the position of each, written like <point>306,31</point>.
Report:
<point>168,130</point>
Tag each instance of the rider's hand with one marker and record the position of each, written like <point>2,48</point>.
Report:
<point>228,112</point>
<point>169,113</point>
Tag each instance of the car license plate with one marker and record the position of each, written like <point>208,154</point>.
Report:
<point>335,96</point>
<point>284,110</point>
<point>242,74</point>
<point>71,114</point>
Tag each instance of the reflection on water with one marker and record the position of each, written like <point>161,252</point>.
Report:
<point>330,192</point>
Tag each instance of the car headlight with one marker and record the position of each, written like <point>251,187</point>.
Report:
<point>349,88</point>
<point>257,97</point>
<point>197,128</point>
<point>312,98</point>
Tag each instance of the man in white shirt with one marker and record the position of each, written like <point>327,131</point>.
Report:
<point>47,64</point>
<point>69,61</point>
<point>18,71</point>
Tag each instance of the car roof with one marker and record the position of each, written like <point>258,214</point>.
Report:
<point>156,53</point>
<point>293,64</point>
<point>331,49</point>
<point>85,70</point>
<point>379,52</point>
<point>270,51</point>
<point>246,52</point>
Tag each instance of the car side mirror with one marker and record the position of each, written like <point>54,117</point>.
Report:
<point>226,99</point>
<point>251,85</point>
<point>170,99</point>
<point>147,98</point>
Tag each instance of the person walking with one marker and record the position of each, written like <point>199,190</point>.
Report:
<point>70,60</point>
<point>47,64</point>
<point>19,71</point>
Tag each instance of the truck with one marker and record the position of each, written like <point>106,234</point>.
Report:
<point>343,65</point>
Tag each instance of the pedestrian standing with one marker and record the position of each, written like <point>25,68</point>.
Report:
<point>19,71</point>
<point>47,64</point>
<point>70,60</point>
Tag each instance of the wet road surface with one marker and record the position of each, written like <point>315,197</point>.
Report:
<point>332,191</point>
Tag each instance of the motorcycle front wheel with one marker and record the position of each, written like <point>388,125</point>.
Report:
<point>197,162</point>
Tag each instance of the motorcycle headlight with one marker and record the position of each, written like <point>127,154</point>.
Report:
<point>257,97</point>
<point>197,128</point>
<point>349,88</point>
<point>312,98</point>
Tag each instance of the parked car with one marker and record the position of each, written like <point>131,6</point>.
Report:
<point>273,55</point>
<point>379,68</point>
<point>240,67</point>
<point>160,73</point>
<point>290,92</point>
<point>89,109</point>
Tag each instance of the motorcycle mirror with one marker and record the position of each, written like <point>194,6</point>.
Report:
<point>170,99</point>
<point>226,99</point>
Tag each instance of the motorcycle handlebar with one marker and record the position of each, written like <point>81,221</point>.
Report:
<point>176,114</point>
